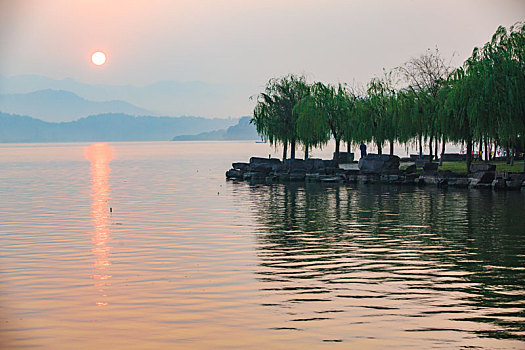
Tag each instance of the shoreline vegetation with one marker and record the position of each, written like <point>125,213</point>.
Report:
<point>480,104</point>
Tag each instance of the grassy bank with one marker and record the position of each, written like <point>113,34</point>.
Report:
<point>461,167</point>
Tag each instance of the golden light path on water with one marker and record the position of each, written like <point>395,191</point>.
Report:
<point>100,154</point>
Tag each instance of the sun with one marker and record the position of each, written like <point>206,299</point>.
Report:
<point>98,58</point>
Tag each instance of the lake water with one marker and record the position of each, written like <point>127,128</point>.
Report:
<point>146,245</point>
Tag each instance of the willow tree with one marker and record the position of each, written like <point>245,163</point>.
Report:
<point>312,130</point>
<point>407,116</point>
<point>456,116</point>
<point>355,131</point>
<point>378,109</point>
<point>418,108</point>
<point>273,115</point>
<point>497,72</point>
<point>361,121</point>
<point>331,107</point>
<point>485,98</point>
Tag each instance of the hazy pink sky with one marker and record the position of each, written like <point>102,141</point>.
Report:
<point>238,41</point>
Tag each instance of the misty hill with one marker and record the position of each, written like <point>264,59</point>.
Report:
<point>62,106</point>
<point>166,97</point>
<point>243,130</point>
<point>104,127</point>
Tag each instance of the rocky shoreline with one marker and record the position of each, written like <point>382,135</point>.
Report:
<point>374,168</point>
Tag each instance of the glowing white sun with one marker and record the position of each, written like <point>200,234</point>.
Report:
<point>98,58</point>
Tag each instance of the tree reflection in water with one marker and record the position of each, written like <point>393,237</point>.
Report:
<point>451,258</point>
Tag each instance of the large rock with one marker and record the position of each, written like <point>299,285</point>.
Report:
<point>484,177</point>
<point>234,174</point>
<point>254,161</point>
<point>482,167</point>
<point>430,167</point>
<point>313,165</point>
<point>429,179</point>
<point>240,166</point>
<point>513,184</point>
<point>329,163</point>
<point>454,157</point>
<point>263,166</point>
<point>277,168</point>
<point>498,184</point>
<point>295,165</point>
<point>411,169</point>
<point>515,181</point>
<point>516,176</point>
<point>378,163</point>
<point>345,157</point>
<point>421,162</point>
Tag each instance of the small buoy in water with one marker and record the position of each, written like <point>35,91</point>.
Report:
<point>111,210</point>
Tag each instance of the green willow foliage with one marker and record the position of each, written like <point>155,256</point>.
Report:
<point>273,115</point>
<point>482,102</point>
<point>326,111</point>
<point>485,98</point>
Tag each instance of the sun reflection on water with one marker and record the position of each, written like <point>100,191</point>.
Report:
<point>100,154</point>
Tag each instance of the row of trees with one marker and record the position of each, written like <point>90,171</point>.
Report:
<point>424,101</point>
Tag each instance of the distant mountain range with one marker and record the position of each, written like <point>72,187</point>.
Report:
<point>40,109</point>
<point>62,106</point>
<point>105,127</point>
<point>242,131</point>
<point>165,97</point>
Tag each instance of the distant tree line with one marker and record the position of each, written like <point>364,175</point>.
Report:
<point>425,101</point>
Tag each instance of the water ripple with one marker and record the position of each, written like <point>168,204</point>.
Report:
<point>188,260</point>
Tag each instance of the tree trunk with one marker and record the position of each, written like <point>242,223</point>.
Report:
<point>292,149</point>
<point>480,151</point>
<point>336,154</point>
<point>512,156</point>
<point>305,152</point>
<point>436,142</point>
<point>391,148</point>
<point>507,156</point>
<point>348,148</point>
<point>285,150</point>
<point>442,151</point>
<point>430,149</point>
<point>486,151</point>
<point>420,146</point>
<point>379,148</point>
<point>523,148</point>
<point>469,154</point>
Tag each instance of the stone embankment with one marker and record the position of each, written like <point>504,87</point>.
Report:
<point>374,168</point>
